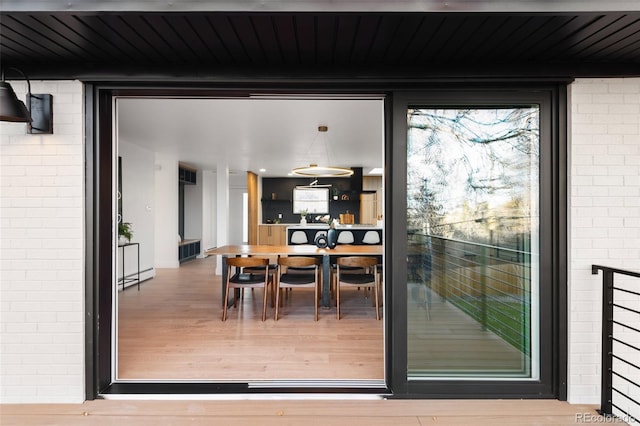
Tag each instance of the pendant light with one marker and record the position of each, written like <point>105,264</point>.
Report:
<point>315,170</point>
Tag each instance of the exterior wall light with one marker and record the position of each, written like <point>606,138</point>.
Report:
<point>37,113</point>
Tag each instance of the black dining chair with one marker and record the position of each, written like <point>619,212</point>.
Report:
<point>298,272</point>
<point>368,279</point>
<point>242,279</point>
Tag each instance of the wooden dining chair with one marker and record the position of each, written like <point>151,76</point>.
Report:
<point>368,279</point>
<point>297,272</point>
<point>243,279</point>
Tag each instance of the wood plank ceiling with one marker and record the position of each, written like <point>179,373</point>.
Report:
<point>100,45</point>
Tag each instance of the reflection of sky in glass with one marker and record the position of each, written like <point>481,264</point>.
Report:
<point>473,162</point>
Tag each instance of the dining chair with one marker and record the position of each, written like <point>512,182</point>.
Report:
<point>373,237</point>
<point>368,279</point>
<point>345,237</point>
<point>244,279</point>
<point>299,237</point>
<point>297,272</point>
<point>257,270</point>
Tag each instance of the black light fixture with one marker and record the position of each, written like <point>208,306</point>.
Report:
<point>37,113</point>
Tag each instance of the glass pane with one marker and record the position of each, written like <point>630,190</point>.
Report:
<point>472,220</point>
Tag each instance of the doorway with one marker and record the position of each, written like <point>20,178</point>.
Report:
<point>171,330</point>
<point>543,377</point>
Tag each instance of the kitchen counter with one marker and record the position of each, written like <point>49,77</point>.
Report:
<point>311,230</point>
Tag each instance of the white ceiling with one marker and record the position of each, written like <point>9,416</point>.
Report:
<point>249,134</point>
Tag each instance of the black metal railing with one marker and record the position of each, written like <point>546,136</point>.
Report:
<point>491,284</point>
<point>620,348</point>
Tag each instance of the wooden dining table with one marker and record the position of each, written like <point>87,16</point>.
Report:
<point>296,250</point>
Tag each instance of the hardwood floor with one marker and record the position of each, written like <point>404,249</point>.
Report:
<point>171,329</point>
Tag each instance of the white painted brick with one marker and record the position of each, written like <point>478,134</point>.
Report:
<point>608,99</point>
<point>42,314</point>
<point>608,201</point>
<point>624,109</point>
<point>623,212</point>
<point>591,171</point>
<point>626,192</point>
<point>594,108</point>
<point>609,160</point>
<point>631,181</point>
<point>582,222</point>
<point>615,104</point>
<point>590,129</point>
<point>591,191</point>
<point>582,201</point>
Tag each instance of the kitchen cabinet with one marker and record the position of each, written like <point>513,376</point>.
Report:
<point>368,209</point>
<point>371,200</point>
<point>187,175</point>
<point>272,234</point>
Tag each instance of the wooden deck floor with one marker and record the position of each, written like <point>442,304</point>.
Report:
<point>301,412</point>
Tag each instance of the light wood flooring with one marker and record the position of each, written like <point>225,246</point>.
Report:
<point>172,330</point>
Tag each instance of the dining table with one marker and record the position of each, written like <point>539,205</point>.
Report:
<point>296,250</point>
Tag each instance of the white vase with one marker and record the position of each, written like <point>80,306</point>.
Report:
<point>303,220</point>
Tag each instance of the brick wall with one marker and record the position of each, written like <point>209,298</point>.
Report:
<point>604,208</point>
<point>42,252</point>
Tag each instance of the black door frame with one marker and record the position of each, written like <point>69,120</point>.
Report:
<point>98,275</point>
<point>552,234</point>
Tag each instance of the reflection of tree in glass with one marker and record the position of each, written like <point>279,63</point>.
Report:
<point>472,173</point>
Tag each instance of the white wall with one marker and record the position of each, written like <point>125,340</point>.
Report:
<point>209,208</point>
<point>604,208</point>
<point>138,204</point>
<point>166,207</point>
<point>237,187</point>
<point>42,253</point>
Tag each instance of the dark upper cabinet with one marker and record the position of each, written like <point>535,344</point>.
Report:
<point>186,176</point>
<point>277,194</point>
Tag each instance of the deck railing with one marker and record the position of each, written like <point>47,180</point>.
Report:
<point>620,343</point>
<point>489,283</point>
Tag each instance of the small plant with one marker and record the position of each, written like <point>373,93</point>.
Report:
<point>124,230</point>
<point>303,212</point>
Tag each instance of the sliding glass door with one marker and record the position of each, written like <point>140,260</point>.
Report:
<point>477,238</point>
<point>472,232</point>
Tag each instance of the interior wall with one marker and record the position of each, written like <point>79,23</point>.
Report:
<point>138,203</point>
<point>209,207</point>
<point>237,187</point>
<point>166,207</point>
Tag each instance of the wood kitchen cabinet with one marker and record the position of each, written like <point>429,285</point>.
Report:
<point>272,234</point>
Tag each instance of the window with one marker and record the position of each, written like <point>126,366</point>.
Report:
<point>311,200</point>
<point>472,223</point>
